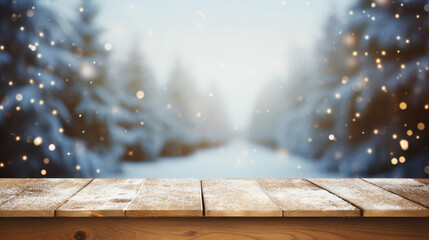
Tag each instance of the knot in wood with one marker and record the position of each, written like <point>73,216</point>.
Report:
<point>80,235</point>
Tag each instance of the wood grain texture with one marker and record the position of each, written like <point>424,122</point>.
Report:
<point>408,188</point>
<point>374,201</point>
<point>300,198</point>
<point>222,197</point>
<point>215,228</point>
<point>237,198</point>
<point>11,187</point>
<point>167,198</point>
<point>101,198</point>
<point>423,180</point>
<point>42,197</point>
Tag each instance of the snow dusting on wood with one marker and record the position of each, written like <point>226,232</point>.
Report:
<point>167,197</point>
<point>373,200</point>
<point>11,187</point>
<point>300,198</point>
<point>407,188</point>
<point>42,197</point>
<point>222,198</point>
<point>237,197</point>
<point>102,197</point>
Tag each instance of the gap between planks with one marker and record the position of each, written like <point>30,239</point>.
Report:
<point>14,195</point>
<point>141,186</point>
<point>55,211</point>
<point>372,199</point>
<point>41,197</point>
<point>202,197</point>
<point>400,195</point>
<point>269,195</point>
<point>237,197</point>
<point>354,205</point>
<point>167,198</point>
<point>297,197</point>
<point>102,198</point>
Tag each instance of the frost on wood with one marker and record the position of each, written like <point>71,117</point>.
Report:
<point>167,195</point>
<point>9,188</point>
<point>42,197</point>
<point>236,195</point>
<point>408,188</point>
<point>366,196</point>
<point>111,195</point>
<point>298,194</point>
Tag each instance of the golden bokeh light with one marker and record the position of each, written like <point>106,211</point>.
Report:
<point>404,144</point>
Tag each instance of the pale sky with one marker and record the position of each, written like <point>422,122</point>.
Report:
<point>236,45</point>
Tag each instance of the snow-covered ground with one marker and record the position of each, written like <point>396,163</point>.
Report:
<point>237,159</point>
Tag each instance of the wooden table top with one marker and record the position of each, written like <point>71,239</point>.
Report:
<point>214,197</point>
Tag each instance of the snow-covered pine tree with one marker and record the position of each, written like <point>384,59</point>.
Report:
<point>281,117</point>
<point>380,125</point>
<point>364,110</point>
<point>139,99</point>
<point>182,105</point>
<point>214,125</point>
<point>95,114</point>
<point>269,106</point>
<point>34,63</point>
<point>136,76</point>
<point>312,117</point>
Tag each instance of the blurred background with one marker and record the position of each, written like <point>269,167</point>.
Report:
<point>214,89</point>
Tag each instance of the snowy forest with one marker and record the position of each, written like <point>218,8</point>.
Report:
<point>356,105</point>
<point>65,113</point>
<point>363,107</point>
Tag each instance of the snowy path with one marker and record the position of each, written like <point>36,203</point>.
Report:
<point>237,159</point>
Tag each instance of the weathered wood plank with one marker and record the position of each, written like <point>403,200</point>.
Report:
<point>215,228</point>
<point>168,198</point>
<point>101,198</point>
<point>405,187</point>
<point>300,198</point>
<point>374,201</point>
<point>42,197</point>
<point>423,180</point>
<point>11,187</point>
<point>237,198</point>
